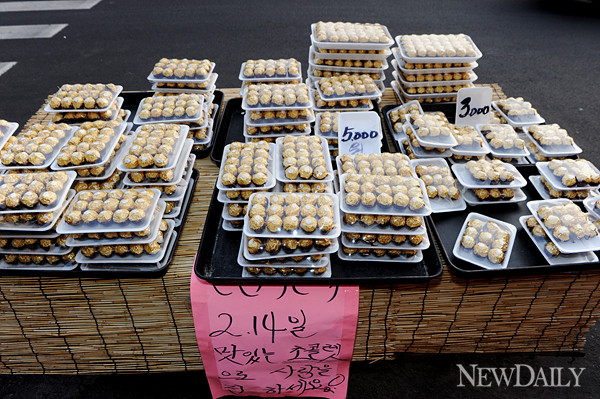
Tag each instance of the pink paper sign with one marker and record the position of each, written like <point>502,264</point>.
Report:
<point>275,340</point>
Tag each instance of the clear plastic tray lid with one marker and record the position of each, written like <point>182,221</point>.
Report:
<point>130,257</point>
<point>140,119</point>
<point>40,225</point>
<point>271,133</point>
<point>275,120</point>
<point>419,59</point>
<point>274,97</point>
<point>115,94</point>
<point>270,173</point>
<point>209,86</point>
<point>123,221</point>
<point>441,201</point>
<point>467,180</point>
<point>111,165</point>
<point>351,44</point>
<point>183,79</point>
<point>280,252</point>
<point>562,235</point>
<point>333,54</point>
<point>305,223</point>
<point>6,130</point>
<point>471,198</point>
<point>309,262</point>
<point>276,77</point>
<point>558,182</point>
<point>173,155</point>
<point>401,66</point>
<point>418,96</point>
<point>519,120</point>
<point>413,205</point>
<point>552,149</point>
<point>374,243</point>
<point>153,228</point>
<point>177,169</point>
<point>401,258</point>
<point>507,145</point>
<point>49,158</point>
<point>432,83</point>
<point>574,195</point>
<point>561,259</point>
<point>37,196</point>
<point>281,168</point>
<point>480,252</point>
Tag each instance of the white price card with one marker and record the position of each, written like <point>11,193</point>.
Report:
<point>359,132</point>
<point>473,106</point>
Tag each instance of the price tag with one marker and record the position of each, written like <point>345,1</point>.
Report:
<point>473,106</point>
<point>359,132</point>
<point>275,340</point>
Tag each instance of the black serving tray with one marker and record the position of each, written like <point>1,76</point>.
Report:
<point>216,262</point>
<point>231,129</point>
<point>112,274</point>
<point>525,257</point>
<point>132,99</point>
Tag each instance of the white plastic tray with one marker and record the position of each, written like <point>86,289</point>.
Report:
<point>536,182</point>
<point>465,178</point>
<point>57,267</point>
<point>425,71</point>
<point>298,233</point>
<point>406,245</point>
<point>469,256</point>
<point>421,152</point>
<point>132,258</point>
<point>51,110</point>
<point>184,79</point>
<point>437,141</point>
<point>177,170</point>
<point>312,55</point>
<point>49,157</point>
<point>434,83</point>
<point>104,154</point>
<point>64,228</point>
<point>375,228</point>
<point>33,227</point>
<point>574,245</point>
<point>418,257</point>
<point>379,210</point>
<point>341,69</point>
<point>112,163</point>
<point>421,95</point>
<point>284,133</point>
<point>265,78</point>
<point>264,255</point>
<point>553,150</point>
<point>174,119</point>
<point>374,95</point>
<point>350,45</point>
<point>173,156</point>
<point>501,152</point>
<point>454,60</point>
<point>309,275</point>
<point>556,181</point>
<point>270,176</point>
<point>535,119</point>
<point>562,259</point>
<point>209,89</point>
<point>276,121</point>
<point>590,205</point>
<point>307,262</point>
<point>154,229</point>
<point>61,196</point>
<point>350,56</point>
<point>471,198</point>
<point>5,134</point>
<point>227,226</point>
<point>272,106</point>
<point>280,173</point>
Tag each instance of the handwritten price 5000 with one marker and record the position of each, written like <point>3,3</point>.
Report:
<point>350,135</point>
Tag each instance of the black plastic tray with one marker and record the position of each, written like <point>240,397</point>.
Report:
<point>525,257</point>
<point>99,274</point>
<point>231,129</point>
<point>132,99</point>
<point>216,262</point>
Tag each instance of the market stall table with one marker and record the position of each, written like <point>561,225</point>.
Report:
<point>90,325</point>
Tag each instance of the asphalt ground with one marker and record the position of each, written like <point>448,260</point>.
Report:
<point>545,51</point>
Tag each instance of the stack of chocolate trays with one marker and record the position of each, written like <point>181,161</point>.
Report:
<point>168,170</point>
<point>379,222</point>
<point>201,80</point>
<point>290,233</point>
<point>32,207</point>
<point>117,226</point>
<point>275,110</point>
<point>345,48</point>
<point>573,179</point>
<point>562,232</point>
<point>246,168</point>
<point>432,68</point>
<point>78,103</point>
<point>486,182</point>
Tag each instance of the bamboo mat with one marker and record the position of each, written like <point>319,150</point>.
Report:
<point>85,325</point>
